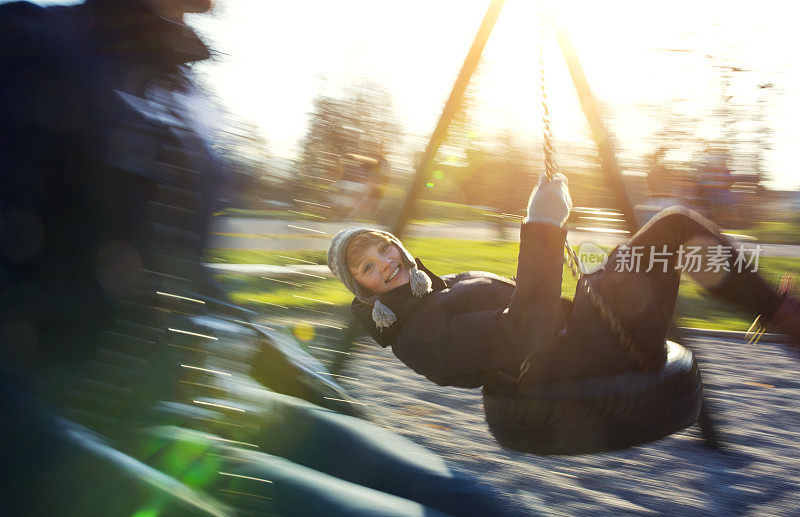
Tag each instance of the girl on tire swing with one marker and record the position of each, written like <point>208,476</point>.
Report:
<point>473,329</point>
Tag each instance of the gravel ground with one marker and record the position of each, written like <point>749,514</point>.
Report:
<point>753,392</point>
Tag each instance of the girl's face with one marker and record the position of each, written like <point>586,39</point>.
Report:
<point>380,268</point>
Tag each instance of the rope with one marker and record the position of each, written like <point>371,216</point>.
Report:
<point>575,265</point>
<point>615,325</point>
<point>550,165</point>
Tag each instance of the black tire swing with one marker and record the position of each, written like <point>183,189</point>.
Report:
<point>598,414</point>
<point>602,413</point>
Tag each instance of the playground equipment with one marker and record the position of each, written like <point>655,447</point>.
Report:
<point>598,414</point>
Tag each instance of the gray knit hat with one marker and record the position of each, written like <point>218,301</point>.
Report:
<point>382,315</point>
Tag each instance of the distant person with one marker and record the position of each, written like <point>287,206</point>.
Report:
<point>371,184</point>
<point>714,184</point>
<point>475,328</point>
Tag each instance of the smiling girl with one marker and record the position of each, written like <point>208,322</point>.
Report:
<point>477,328</point>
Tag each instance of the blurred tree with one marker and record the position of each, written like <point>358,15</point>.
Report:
<point>246,154</point>
<point>360,123</point>
<point>461,151</point>
<point>501,178</point>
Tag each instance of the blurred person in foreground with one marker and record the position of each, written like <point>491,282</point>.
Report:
<point>97,106</point>
<point>98,112</point>
<point>476,328</point>
<point>108,180</point>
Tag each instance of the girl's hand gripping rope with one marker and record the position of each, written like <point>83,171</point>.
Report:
<point>550,202</point>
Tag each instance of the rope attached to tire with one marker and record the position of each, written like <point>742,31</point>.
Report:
<point>601,413</point>
<point>613,322</point>
<point>578,271</point>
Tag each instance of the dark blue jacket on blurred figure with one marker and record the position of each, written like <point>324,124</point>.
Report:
<point>90,99</point>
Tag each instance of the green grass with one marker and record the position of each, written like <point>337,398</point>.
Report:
<point>236,256</point>
<point>695,308</point>
<point>263,294</point>
<point>774,232</point>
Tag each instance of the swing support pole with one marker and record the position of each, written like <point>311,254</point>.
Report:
<point>614,177</point>
<point>600,134</point>
<point>450,109</point>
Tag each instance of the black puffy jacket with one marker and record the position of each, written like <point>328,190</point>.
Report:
<point>476,324</point>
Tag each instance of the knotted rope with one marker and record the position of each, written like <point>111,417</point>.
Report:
<point>596,299</point>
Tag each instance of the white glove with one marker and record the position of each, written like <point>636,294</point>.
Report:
<point>550,202</point>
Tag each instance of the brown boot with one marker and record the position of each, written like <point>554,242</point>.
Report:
<point>787,317</point>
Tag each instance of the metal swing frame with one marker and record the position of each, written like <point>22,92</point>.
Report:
<point>601,137</point>
<point>609,166</point>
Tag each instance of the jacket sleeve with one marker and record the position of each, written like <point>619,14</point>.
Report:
<point>444,345</point>
<point>540,265</point>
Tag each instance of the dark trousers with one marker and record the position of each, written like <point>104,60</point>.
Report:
<point>643,300</point>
